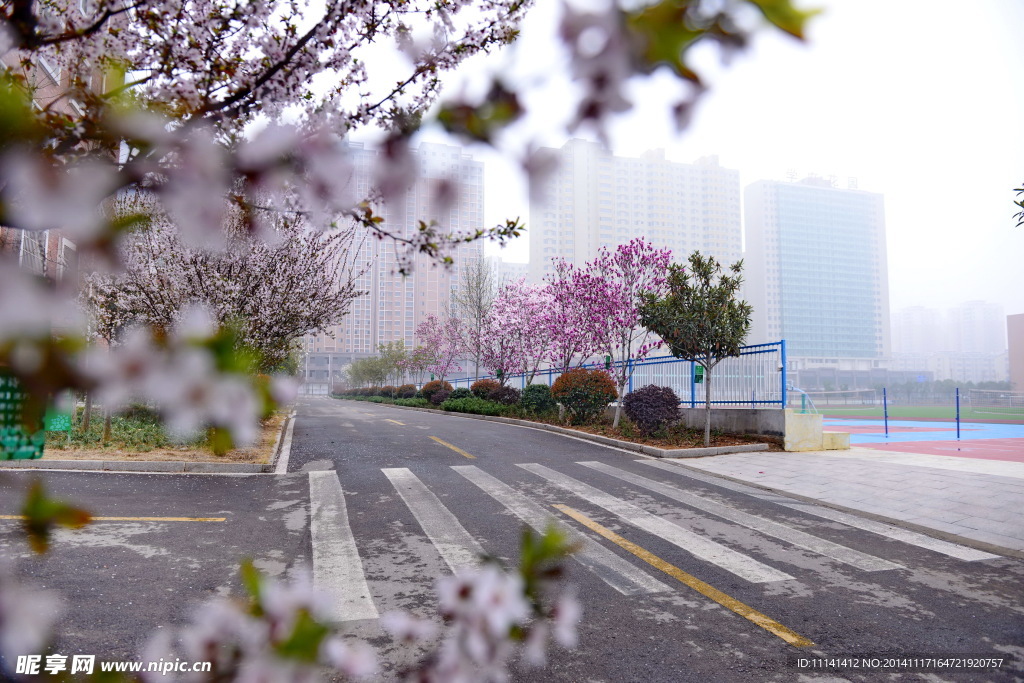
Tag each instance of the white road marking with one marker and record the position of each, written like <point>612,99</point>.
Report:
<point>896,533</point>
<point>745,567</point>
<point>337,568</point>
<point>609,567</point>
<point>286,448</point>
<point>457,547</point>
<point>800,539</point>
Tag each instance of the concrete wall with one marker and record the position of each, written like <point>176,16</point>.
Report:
<point>769,421</point>
<point>799,431</point>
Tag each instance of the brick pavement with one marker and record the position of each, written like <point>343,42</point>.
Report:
<point>979,500</point>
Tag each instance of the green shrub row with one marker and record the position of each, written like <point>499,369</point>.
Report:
<point>477,406</point>
<point>584,394</point>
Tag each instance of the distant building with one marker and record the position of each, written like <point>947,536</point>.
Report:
<point>509,271</point>
<point>48,252</point>
<point>596,199</point>
<point>1015,335</point>
<point>394,304</point>
<point>966,343</point>
<point>816,274</point>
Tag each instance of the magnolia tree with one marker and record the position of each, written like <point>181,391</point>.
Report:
<point>515,336</point>
<point>416,363</point>
<point>444,339</point>
<point>573,329</point>
<point>700,317</point>
<point>615,284</point>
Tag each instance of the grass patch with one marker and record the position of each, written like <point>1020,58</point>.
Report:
<point>967,414</point>
<point>138,434</point>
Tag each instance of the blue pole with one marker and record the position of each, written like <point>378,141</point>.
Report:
<point>885,411</point>
<point>785,386</point>
<point>958,416</point>
<point>629,373</point>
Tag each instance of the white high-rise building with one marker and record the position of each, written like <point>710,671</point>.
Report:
<point>596,199</point>
<point>394,305</point>
<point>817,274</point>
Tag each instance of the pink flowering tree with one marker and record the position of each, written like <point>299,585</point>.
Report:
<point>271,293</point>
<point>618,281</point>
<point>515,334</point>
<point>444,339</point>
<point>574,316</point>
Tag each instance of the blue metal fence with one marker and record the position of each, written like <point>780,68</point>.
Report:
<point>754,379</point>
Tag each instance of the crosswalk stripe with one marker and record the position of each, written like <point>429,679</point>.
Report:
<point>903,535</point>
<point>609,567</point>
<point>745,567</point>
<point>795,537</point>
<point>727,601</point>
<point>337,569</point>
<point>457,547</point>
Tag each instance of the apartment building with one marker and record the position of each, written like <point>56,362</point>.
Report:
<point>596,199</point>
<point>817,274</point>
<point>395,304</point>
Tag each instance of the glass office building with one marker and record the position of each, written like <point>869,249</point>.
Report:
<point>817,273</point>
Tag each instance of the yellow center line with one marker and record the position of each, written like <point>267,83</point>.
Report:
<point>395,421</point>
<point>454,448</point>
<point>730,603</point>
<point>138,519</point>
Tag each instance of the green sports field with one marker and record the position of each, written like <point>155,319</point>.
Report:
<point>967,414</point>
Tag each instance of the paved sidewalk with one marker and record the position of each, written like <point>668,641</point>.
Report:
<point>979,500</point>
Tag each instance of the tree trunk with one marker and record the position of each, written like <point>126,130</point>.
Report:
<point>106,425</point>
<point>87,413</point>
<point>618,406</point>
<point>707,407</point>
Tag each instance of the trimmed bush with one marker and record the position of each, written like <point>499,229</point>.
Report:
<point>439,397</point>
<point>461,392</point>
<point>537,399</point>
<point>406,391</point>
<point>474,405</point>
<point>388,391</point>
<point>482,388</point>
<point>430,388</point>
<point>652,408</point>
<point>412,402</point>
<point>584,393</point>
<point>508,396</point>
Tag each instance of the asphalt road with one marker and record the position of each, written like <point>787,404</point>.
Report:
<point>399,497</point>
<point>865,594</point>
<point>121,580</point>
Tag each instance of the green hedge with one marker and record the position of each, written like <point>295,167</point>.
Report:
<point>474,405</point>
<point>413,402</point>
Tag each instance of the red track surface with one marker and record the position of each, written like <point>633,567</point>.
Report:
<point>1011,450</point>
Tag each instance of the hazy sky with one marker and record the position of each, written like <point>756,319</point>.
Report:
<point>920,100</point>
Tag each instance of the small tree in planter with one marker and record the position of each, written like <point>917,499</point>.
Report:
<point>700,319</point>
<point>652,408</point>
<point>584,393</point>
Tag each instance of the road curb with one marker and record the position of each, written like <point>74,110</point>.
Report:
<point>175,466</point>
<point>673,453</point>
